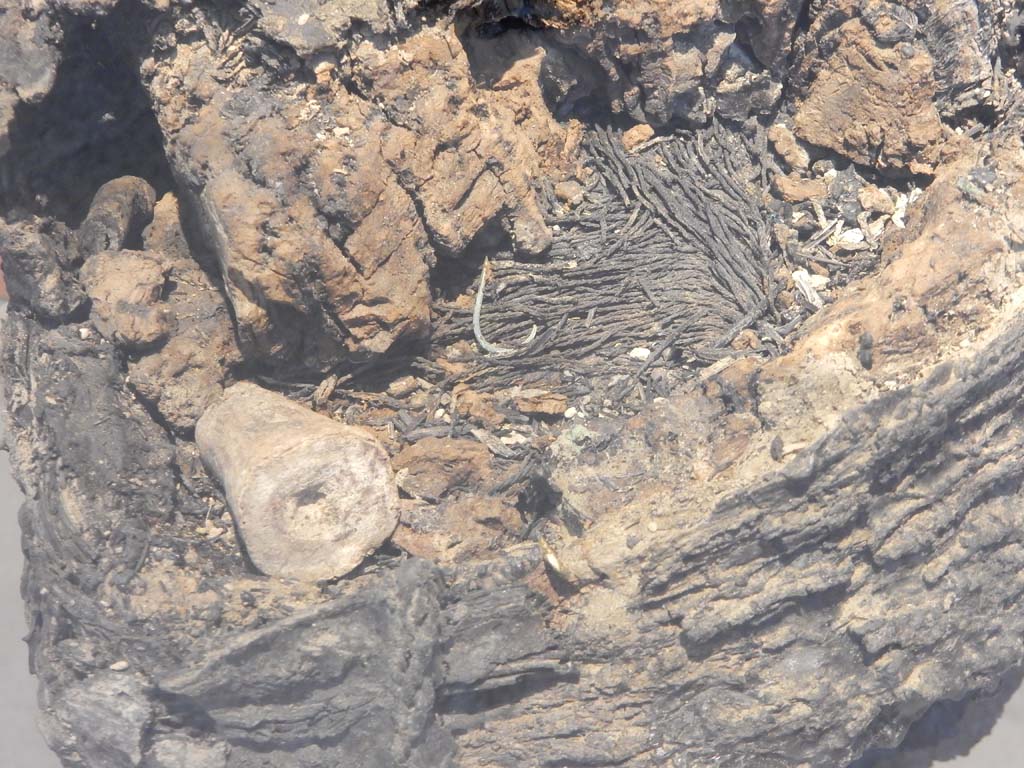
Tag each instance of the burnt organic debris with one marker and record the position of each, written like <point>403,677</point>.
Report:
<point>671,252</point>
<point>491,17</point>
<point>683,340</point>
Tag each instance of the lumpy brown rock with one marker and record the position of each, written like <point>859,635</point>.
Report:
<point>788,534</point>
<point>874,104</point>
<point>188,372</point>
<point>126,288</point>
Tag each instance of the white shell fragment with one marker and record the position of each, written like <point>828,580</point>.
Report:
<point>310,497</point>
<point>805,285</point>
<point>850,240</point>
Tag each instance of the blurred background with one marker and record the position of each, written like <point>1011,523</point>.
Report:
<point>21,745</point>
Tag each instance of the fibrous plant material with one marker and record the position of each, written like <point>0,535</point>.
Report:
<point>749,496</point>
<point>671,253</point>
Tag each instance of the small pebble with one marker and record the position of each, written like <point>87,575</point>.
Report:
<point>640,353</point>
<point>851,237</point>
<point>515,439</point>
<point>403,387</point>
<point>571,413</point>
<point>877,200</point>
<point>569,192</point>
<point>637,135</point>
<point>119,666</point>
<point>788,147</point>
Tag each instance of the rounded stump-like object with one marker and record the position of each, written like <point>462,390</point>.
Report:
<point>310,497</point>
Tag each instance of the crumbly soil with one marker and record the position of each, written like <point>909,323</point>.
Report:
<point>691,330</point>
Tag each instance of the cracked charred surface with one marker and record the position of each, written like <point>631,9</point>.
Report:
<point>844,592</point>
<point>668,592</point>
